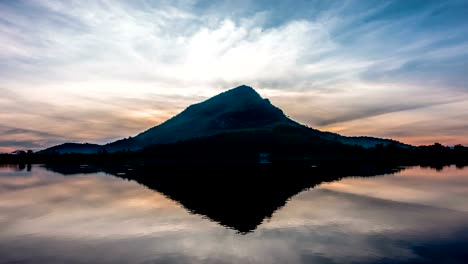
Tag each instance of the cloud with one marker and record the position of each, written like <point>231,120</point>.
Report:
<point>64,58</point>
<point>19,131</point>
<point>39,124</point>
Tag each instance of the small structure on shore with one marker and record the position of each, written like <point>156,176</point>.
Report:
<point>264,158</point>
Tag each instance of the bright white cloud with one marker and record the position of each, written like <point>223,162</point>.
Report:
<point>59,52</point>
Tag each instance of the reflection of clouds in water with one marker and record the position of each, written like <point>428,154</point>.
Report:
<point>13,170</point>
<point>349,227</point>
<point>86,205</point>
<point>321,208</point>
<point>85,218</point>
<point>445,189</point>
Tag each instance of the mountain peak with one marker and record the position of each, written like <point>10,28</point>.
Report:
<point>241,93</point>
<point>236,109</point>
<point>243,88</point>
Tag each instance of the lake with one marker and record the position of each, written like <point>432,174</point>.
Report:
<point>415,215</point>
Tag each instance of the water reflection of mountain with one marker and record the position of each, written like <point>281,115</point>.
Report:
<point>238,198</point>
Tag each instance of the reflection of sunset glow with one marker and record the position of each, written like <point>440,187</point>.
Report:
<point>447,171</point>
<point>96,216</point>
<point>416,184</point>
<point>80,201</point>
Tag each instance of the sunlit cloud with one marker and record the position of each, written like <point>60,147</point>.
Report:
<point>102,70</point>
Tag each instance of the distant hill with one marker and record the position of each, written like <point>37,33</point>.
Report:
<point>85,148</point>
<point>237,110</point>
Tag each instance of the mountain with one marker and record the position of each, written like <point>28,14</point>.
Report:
<point>240,108</point>
<point>85,148</point>
<point>237,110</point>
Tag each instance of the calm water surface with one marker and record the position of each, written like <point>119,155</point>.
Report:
<point>417,215</point>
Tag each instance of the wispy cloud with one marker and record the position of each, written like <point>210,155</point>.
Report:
<point>86,63</point>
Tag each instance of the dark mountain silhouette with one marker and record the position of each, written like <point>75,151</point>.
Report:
<point>236,200</point>
<point>236,110</point>
<point>85,148</point>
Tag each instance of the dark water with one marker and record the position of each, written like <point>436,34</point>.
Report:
<point>417,215</point>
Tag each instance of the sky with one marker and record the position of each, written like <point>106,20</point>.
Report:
<point>97,71</point>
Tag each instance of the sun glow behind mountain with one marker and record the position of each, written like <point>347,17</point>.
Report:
<point>100,71</point>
